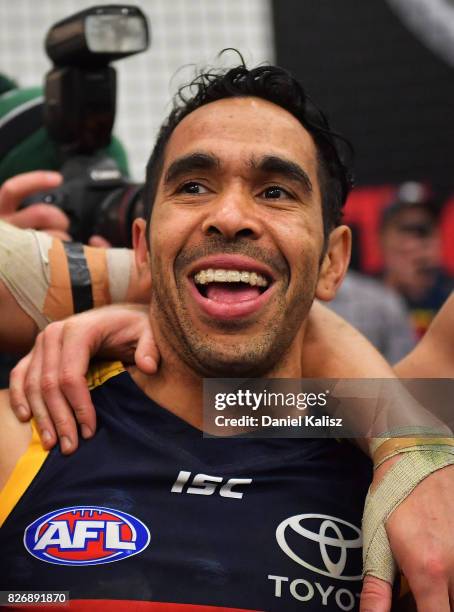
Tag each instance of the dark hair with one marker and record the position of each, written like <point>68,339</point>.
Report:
<point>411,195</point>
<point>275,85</point>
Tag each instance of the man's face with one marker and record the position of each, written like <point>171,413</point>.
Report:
<point>236,237</point>
<point>411,250</point>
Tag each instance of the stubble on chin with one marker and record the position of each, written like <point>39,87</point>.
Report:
<point>253,356</point>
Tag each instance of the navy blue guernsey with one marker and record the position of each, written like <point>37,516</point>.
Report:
<point>150,516</point>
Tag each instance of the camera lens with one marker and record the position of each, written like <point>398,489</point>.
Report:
<point>116,214</point>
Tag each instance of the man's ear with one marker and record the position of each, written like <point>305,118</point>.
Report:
<point>334,264</point>
<point>141,252</point>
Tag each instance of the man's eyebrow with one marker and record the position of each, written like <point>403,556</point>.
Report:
<point>272,164</point>
<point>188,163</point>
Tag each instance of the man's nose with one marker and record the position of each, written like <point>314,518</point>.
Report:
<point>234,214</point>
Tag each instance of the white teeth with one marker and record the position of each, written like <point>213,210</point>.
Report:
<point>220,276</point>
<point>209,276</point>
<point>230,276</point>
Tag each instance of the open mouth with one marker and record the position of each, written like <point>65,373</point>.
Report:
<point>230,286</point>
<point>235,288</point>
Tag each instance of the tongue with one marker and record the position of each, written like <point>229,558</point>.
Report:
<point>231,292</point>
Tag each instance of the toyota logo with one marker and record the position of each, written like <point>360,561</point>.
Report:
<point>332,532</point>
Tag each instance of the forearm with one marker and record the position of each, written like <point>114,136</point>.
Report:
<point>17,329</point>
<point>138,290</point>
<point>433,357</point>
<point>334,349</point>
<point>43,279</point>
<point>23,285</point>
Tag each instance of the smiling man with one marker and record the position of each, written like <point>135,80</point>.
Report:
<point>245,187</point>
<point>243,229</point>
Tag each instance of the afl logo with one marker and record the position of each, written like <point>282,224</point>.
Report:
<point>85,535</point>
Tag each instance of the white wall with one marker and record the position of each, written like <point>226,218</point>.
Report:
<point>183,32</point>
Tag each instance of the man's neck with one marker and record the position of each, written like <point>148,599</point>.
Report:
<point>179,389</point>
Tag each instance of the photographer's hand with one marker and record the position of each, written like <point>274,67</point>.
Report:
<point>100,242</point>
<point>43,217</point>
<point>50,384</point>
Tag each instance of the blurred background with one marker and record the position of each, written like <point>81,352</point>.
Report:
<point>383,71</point>
<point>184,34</point>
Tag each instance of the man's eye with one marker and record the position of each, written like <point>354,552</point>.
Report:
<point>193,188</point>
<point>275,193</point>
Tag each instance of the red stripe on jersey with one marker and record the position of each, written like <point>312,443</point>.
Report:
<point>121,605</point>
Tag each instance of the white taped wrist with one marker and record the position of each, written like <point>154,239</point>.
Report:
<point>395,487</point>
<point>24,268</point>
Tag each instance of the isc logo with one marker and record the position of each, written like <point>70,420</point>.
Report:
<point>85,535</point>
<point>203,484</point>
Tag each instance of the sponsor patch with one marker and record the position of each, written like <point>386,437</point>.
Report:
<point>335,542</point>
<point>85,535</point>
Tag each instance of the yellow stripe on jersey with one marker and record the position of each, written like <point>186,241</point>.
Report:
<point>99,373</point>
<point>22,476</point>
<point>31,461</point>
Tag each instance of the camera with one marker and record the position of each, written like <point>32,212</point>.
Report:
<point>79,113</point>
